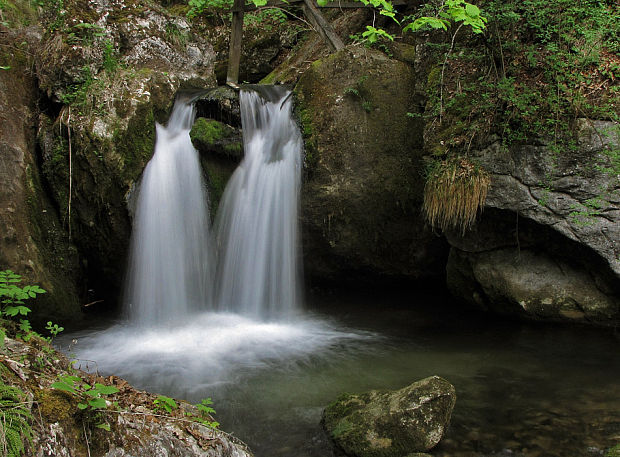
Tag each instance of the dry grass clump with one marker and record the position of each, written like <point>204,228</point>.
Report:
<point>454,192</point>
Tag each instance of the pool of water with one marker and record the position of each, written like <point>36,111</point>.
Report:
<point>522,389</point>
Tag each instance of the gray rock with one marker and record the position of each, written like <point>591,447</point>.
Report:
<point>576,192</point>
<point>547,245</point>
<point>531,284</point>
<point>391,423</point>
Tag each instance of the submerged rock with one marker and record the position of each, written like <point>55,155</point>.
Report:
<point>391,423</point>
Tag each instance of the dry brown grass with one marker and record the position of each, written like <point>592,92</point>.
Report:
<point>455,191</point>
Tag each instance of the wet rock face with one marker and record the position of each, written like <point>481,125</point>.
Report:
<point>33,240</point>
<point>530,284</point>
<point>110,70</point>
<point>360,203</point>
<point>577,192</point>
<point>393,423</point>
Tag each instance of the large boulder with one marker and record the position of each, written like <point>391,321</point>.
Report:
<point>391,423</point>
<point>360,202</point>
<point>547,245</point>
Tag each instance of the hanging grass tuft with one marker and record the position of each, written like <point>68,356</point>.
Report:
<point>454,192</point>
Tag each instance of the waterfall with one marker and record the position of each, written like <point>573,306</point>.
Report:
<point>170,264</point>
<point>256,227</point>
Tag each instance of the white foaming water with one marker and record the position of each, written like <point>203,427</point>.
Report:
<point>256,227</point>
<point>209,350</point>
<point>170,263</point>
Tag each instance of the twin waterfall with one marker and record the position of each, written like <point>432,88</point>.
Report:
<point>248,262</point>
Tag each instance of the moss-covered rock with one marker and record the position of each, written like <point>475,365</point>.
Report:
<point>211,136</point>
<point>130,424</point>
<point>391,423</point>
<point>363,188</point>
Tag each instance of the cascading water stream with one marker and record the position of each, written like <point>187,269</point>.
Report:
<point>170,266</point>
<point>256,226</point>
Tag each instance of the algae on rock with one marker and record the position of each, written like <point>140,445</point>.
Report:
<point>391,423</point>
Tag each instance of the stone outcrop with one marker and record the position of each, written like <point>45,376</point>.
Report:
<point>361,195</point>
<point>391,423</point>
<point>136,426</point>
<point>548,243</point>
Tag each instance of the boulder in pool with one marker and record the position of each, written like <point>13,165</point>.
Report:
<point>391,423</point>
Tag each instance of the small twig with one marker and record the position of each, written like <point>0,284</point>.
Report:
<point>285,100</point>
<point>86,437</point>
<point>501,51</point>
<point>70,168</point>
<point>443,69</point>
<point>92,303</point>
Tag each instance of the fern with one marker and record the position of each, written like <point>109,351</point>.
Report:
<point>15,417</point>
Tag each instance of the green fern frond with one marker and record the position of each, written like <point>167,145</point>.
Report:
<point>15,417</point>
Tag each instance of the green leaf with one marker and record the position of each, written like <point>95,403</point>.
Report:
<point>97,403</point>
<point>103,426</point>
<point>105,390</point>
<point>322,2</point>
<point>15,310</point>
<point>82,406</point>
<point>472,10</point>
<point>60,385</point>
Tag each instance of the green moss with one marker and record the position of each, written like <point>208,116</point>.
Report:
<point>234,149</point>
<point>342,427</point>
<point>614,451</point>
<point>270,78</point>
<point>136,145</point>
<point>433,78</point>
<point>54,404</point>
<point>304,117</point>
<point>18,13</point>
<point>208,131</point>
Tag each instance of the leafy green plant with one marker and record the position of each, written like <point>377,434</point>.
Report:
<point>91,397</point>
<point>205,410</point>
<point>458,11</point>
<point>12,299</point>
<point>165,404</point>
<point>110,59</point>
<point>585,214</point>
<point>15,417</point>
<point>53,329</point>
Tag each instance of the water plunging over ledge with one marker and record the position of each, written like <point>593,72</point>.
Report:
<point>256,225</point>
<point>170,272</point>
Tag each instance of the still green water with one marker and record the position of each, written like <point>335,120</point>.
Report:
<point>523,389</point>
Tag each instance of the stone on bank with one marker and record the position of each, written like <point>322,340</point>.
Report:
<point>391,423</point>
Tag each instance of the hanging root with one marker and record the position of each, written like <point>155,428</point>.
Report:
<point>454,192</point>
